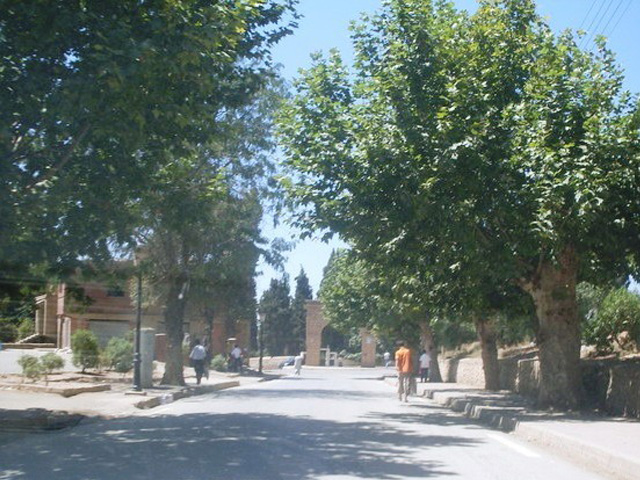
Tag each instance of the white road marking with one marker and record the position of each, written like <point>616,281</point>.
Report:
<point>513,445</point>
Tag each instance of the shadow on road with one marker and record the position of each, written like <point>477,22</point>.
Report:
<point>226,446</point>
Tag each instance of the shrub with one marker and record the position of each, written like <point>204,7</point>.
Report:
<point>118,355</point>
<point>31,367</point>
<point>8,331</point>
<point>26,328</point>
<point>50,362</point>
<point>617,317</point>
<point>86,352</point>
<point>219,363</point>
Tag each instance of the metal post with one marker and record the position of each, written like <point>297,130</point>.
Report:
<point>260,321</point>
<point>137,382</point>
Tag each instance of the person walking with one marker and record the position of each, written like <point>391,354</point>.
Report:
<point>297,364</point>
<point>425,363</point>
<point>236,359</point>
<point>197,357</point>
<point>404,366</point>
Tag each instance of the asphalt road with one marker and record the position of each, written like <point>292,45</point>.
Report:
<point>326,424</point>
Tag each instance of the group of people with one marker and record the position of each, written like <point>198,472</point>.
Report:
<point>200,358</point>
<point>404,366</point>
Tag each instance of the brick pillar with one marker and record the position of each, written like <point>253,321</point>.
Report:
<point>315,325</point>
<point>368,349</point>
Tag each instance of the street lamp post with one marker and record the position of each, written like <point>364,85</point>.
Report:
<point>137,381</point>
<point>260,322</point>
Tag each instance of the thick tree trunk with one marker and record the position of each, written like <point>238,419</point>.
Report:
<point>485,328</point>
<point>554,294</point>
<point>174,321</point>
<point>429,344</point>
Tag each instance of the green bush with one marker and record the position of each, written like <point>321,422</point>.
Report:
<point>86,352</point>
<point>219,363</point>
<point>118,355</point>
<point>50,362</point>
<point>31,367</point>
<point>618,315</point>
<point>8,331</point>
<point>26,328</point>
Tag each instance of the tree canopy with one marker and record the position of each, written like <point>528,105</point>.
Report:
<point>479,149</point>
<point>97,98</point>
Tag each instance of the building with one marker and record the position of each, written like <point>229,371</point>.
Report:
<point>109,311</point>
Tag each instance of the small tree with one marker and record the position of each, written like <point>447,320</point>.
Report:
<point>31,367</point>
<point>118,355</point>
<point>48,363</point>
<point>86,352</point>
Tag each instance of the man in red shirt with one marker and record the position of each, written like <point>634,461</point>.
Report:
<point>405,369</point>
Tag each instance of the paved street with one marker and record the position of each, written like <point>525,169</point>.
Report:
<point>326,424</point>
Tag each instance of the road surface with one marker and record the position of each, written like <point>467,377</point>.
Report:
<point>325,424</point>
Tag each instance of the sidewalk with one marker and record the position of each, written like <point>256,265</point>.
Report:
<point>28,410</point>
<point>607,446</point>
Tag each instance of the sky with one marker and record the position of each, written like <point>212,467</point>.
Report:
<point>325,25</point>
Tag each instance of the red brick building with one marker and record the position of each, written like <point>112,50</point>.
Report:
<point>110,312</point>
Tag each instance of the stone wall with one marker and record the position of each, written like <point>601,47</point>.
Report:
<point>611,386</point>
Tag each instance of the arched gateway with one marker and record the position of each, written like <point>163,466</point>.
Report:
<point>316,323</point>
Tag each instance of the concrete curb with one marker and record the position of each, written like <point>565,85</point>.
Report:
<point>37,419</point>
<point>599,460</point>
<point>41,419</point>
<point>511,419</point>
<point>170,397</point>
<point>60,390</point>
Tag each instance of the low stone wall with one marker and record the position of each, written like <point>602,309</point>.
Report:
<point>611,385</point>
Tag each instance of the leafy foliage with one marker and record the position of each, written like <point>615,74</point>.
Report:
<point>118,355</point>
<point>31,367</point>
<point>476,152</point>
<point>86,352</point>
<point>275,304</point>
<point>617,322</point>
<point>50,362</point>
<point>111,98</point>
<point>302,293</point>
<point>26,328</point>
<point>219,363</point>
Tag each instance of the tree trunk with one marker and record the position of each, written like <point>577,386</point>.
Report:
<point>174,321</point>
<point>554,294</point>
<point>485,328</point>
<point>429,344</point>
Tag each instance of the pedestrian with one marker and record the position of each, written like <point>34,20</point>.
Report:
<point>207,358</point>
<point>297,363</point>
<point>197,357</point>
<point>425,363</point>
<point>236,358</point>
<point>387,359</point>
<point>404,366</point>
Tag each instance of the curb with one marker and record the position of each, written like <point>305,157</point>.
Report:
<point>41,419</point>
<point>64,391</point>
<point>184,393</point>
<point>509,419</point>
<point>499,417</point>
<point>37,419</point>
<point>598,460</point>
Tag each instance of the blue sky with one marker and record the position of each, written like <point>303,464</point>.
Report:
<point>325,25</point>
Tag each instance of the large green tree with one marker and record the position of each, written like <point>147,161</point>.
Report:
<point>480,143</point>
<point>301,294</point>
<point>275,305</point>
<point>98,97</point>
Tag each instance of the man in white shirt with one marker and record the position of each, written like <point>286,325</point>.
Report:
<point>425,361</point>
<point>197,357</point>
<point>236,358</point>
